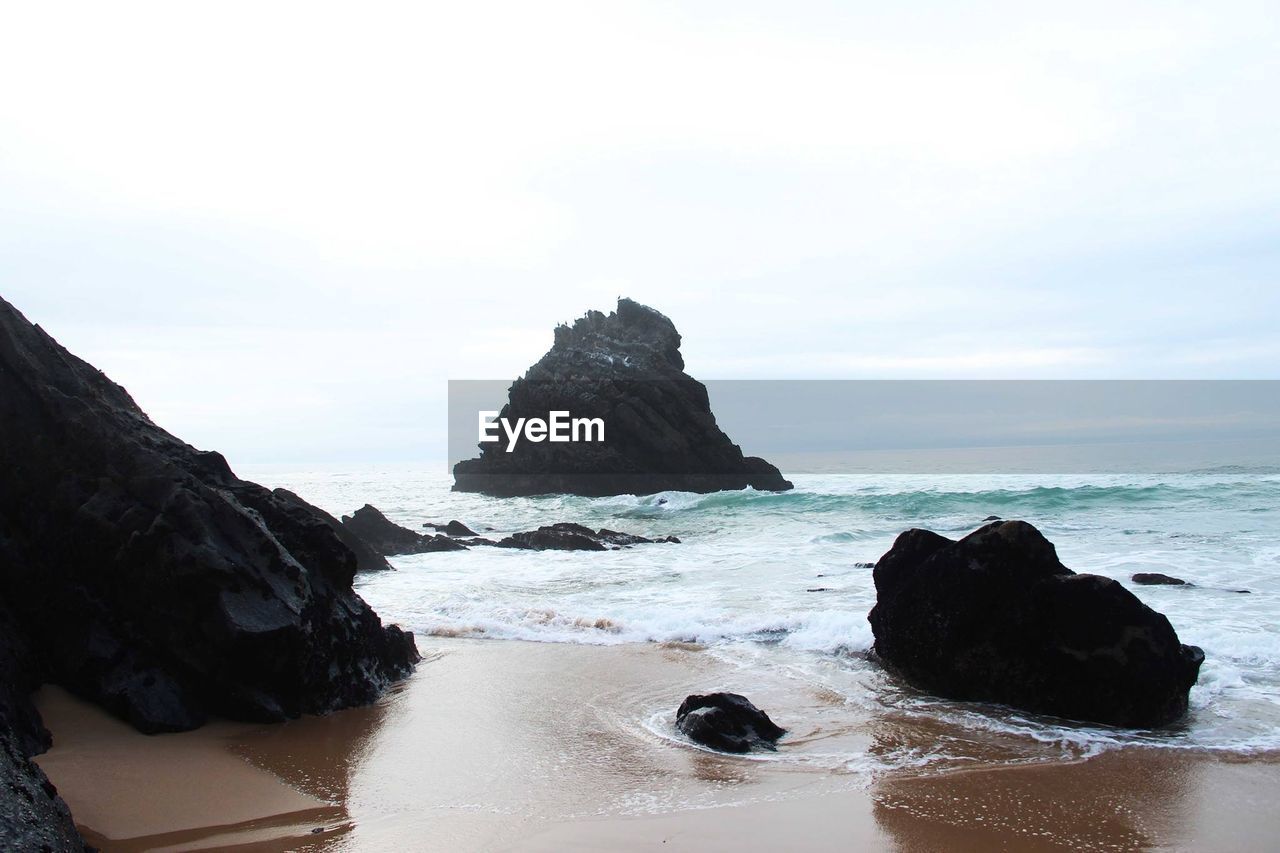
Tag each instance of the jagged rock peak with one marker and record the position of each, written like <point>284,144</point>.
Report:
<point>634,336</point>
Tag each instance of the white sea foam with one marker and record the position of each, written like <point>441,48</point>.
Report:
<point>742,582</point>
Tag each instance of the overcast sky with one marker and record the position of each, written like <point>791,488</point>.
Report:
<point>283,227</point>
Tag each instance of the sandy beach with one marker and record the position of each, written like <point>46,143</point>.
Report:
<point>505,745</point>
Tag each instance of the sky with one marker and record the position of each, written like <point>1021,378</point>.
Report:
<point>284,227</point>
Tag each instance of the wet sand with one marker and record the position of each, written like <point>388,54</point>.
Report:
<point>502,745</point>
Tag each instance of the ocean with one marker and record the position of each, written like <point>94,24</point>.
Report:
<point>778,585</point>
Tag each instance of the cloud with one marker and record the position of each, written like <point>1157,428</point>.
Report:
<point>404,193</point>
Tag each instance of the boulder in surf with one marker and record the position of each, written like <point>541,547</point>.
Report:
<point>727,722</point>
<point>996,617</point>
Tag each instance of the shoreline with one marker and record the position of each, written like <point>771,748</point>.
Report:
<point>504,744</point>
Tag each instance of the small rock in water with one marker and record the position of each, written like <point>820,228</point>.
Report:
<point>819,589</point>
<point>457,528</point>
<point>567,536</point>
<point>992,518</point>
<point>1157,579</point>
<point>727,722</point>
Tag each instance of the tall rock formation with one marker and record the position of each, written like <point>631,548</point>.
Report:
<point>624,368</point>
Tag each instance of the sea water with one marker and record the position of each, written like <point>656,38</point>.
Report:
<point>780,584</point>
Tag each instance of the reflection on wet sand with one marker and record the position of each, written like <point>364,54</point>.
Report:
<point>1135,798</point>
<point>509,745</point>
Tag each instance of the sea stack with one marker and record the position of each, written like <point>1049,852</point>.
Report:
<point>625,369</point>
<point>148,578</point>
<point>996,617</point>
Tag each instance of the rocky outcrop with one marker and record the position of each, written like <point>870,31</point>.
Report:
<point>727,722</point>
<point>367,559</point>
<point>151,580</point>
<point>390,539</point>
<point>995,617</point>
<point>624,368</point>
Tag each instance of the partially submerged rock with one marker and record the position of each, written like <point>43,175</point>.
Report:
<point>624,368</point>
<point>1157,579</point>
<point>727,722</point>
<point>996,617</point>
<point>457,528</point>
<point>567,536</point>
<point>149,579</point>
<point>390,539</point>
<point>452,528</point>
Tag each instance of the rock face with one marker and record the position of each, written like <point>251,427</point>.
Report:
<point>32,815</point>
<point>995,617</point>
<point>150,579</point>
<point>727,722</point>
<point>389,539</point>
<point>367,559</point>
<point>626,369</point>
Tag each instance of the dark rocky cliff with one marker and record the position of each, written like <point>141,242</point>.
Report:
<point>149,579</point>
<point>626,369</point>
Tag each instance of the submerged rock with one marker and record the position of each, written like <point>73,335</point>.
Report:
<point>1157,579</point>
<point>149,579</point>
<point>390,539</point>
<point>452,528</point>
<point>995,617</point>
<point>457,528</point>
<point>624,368</point>
<point>567,536</point>
<point>727,722</point>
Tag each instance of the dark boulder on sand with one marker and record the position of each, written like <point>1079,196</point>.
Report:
<point>624,368</point>
<point>727,722</point>
<point>150,579</point>
<point>390,539</point>
<point>995,617</point>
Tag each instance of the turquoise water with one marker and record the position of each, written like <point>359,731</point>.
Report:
<point>741,582</point>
